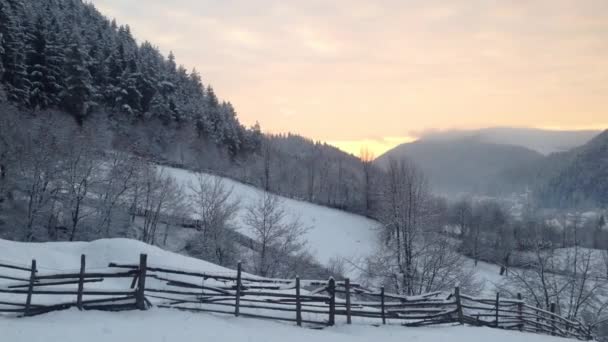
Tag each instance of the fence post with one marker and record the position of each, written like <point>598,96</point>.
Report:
<point>140,295</point>
<point>331,288</point>
<point>497,307</point>
<point>459,305</point>
<point>80,283</point>
<point>520,312</point>
<point>298,303</point>
<point>347,288</point>
<point>552,319</point>
<point>30,289</point>
<point>538,316</point>
<point>382,305</point>
<point>238,289</point>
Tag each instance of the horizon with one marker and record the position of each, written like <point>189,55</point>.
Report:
<point>546,64</point>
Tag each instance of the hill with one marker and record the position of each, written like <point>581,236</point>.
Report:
<point>357,234</point>
<point>579,178</point>
<point>461,165</point>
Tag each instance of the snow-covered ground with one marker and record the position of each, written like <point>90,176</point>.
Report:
<point>65,256</point>
<point>332,233</point>
<point>168,325</point>
<point>165,325</point>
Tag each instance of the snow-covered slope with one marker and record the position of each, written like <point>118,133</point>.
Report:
<point>65,256</point>
<point>332,233</point>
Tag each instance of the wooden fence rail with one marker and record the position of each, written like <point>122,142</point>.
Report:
<point>313,302</point>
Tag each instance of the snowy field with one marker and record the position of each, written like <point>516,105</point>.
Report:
<point>164,325</point>
<point>332,233</point>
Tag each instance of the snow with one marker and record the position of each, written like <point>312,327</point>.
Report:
<point>164,325</point>
<point>159,324</point>
<point>488,275</point>
<point>65,256</point>
<point>332,234</point>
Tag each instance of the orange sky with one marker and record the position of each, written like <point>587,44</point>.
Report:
<point>378,73</point>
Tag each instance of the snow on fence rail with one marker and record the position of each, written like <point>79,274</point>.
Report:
<point>312,302</point>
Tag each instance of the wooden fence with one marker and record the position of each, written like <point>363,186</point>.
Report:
<point>304,302</point>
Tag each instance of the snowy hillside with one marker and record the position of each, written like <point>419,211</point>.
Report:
<point>332,233</point>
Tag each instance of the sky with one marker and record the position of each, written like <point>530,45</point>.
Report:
<point>357,73</point>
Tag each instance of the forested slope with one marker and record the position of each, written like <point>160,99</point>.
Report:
<point>64,54</point>
<point>63,57</point>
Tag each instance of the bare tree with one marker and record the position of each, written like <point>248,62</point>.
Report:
<point>413,256</point>
<point>267,163</point>
<point>367,158</point>
<point>159,193</point>
<point>405,194</point>
<point>117,179</point>
<point>276,234</point>
<point>215,210</point>
<point>80,168</point>
<point>37,173</point>
<point>570,278</point>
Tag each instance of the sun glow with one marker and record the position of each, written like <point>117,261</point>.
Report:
<point>376,146</point>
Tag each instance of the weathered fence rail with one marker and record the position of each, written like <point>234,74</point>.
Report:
<point>313,302</point>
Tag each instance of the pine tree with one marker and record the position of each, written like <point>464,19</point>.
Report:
<point>79,92</point>
<point>1,56</point>
<point>44,59</point>
<point>13,58</point>
<point>129,99</point>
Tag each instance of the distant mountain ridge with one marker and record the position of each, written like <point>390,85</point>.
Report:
<point>461,165</point>
<point>458,163</point>
<point>540,140</point>
<point>582,179</point>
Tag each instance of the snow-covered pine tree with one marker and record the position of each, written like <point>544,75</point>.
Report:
<point>39,67</point>
<point>15,71</point>
<point>79,92</point>
<point>129,98</point>
<point>1,56</point>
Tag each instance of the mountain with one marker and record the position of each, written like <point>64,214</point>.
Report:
<point>461,165</point>
<point>576,178</point>
<point>540,140</point>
